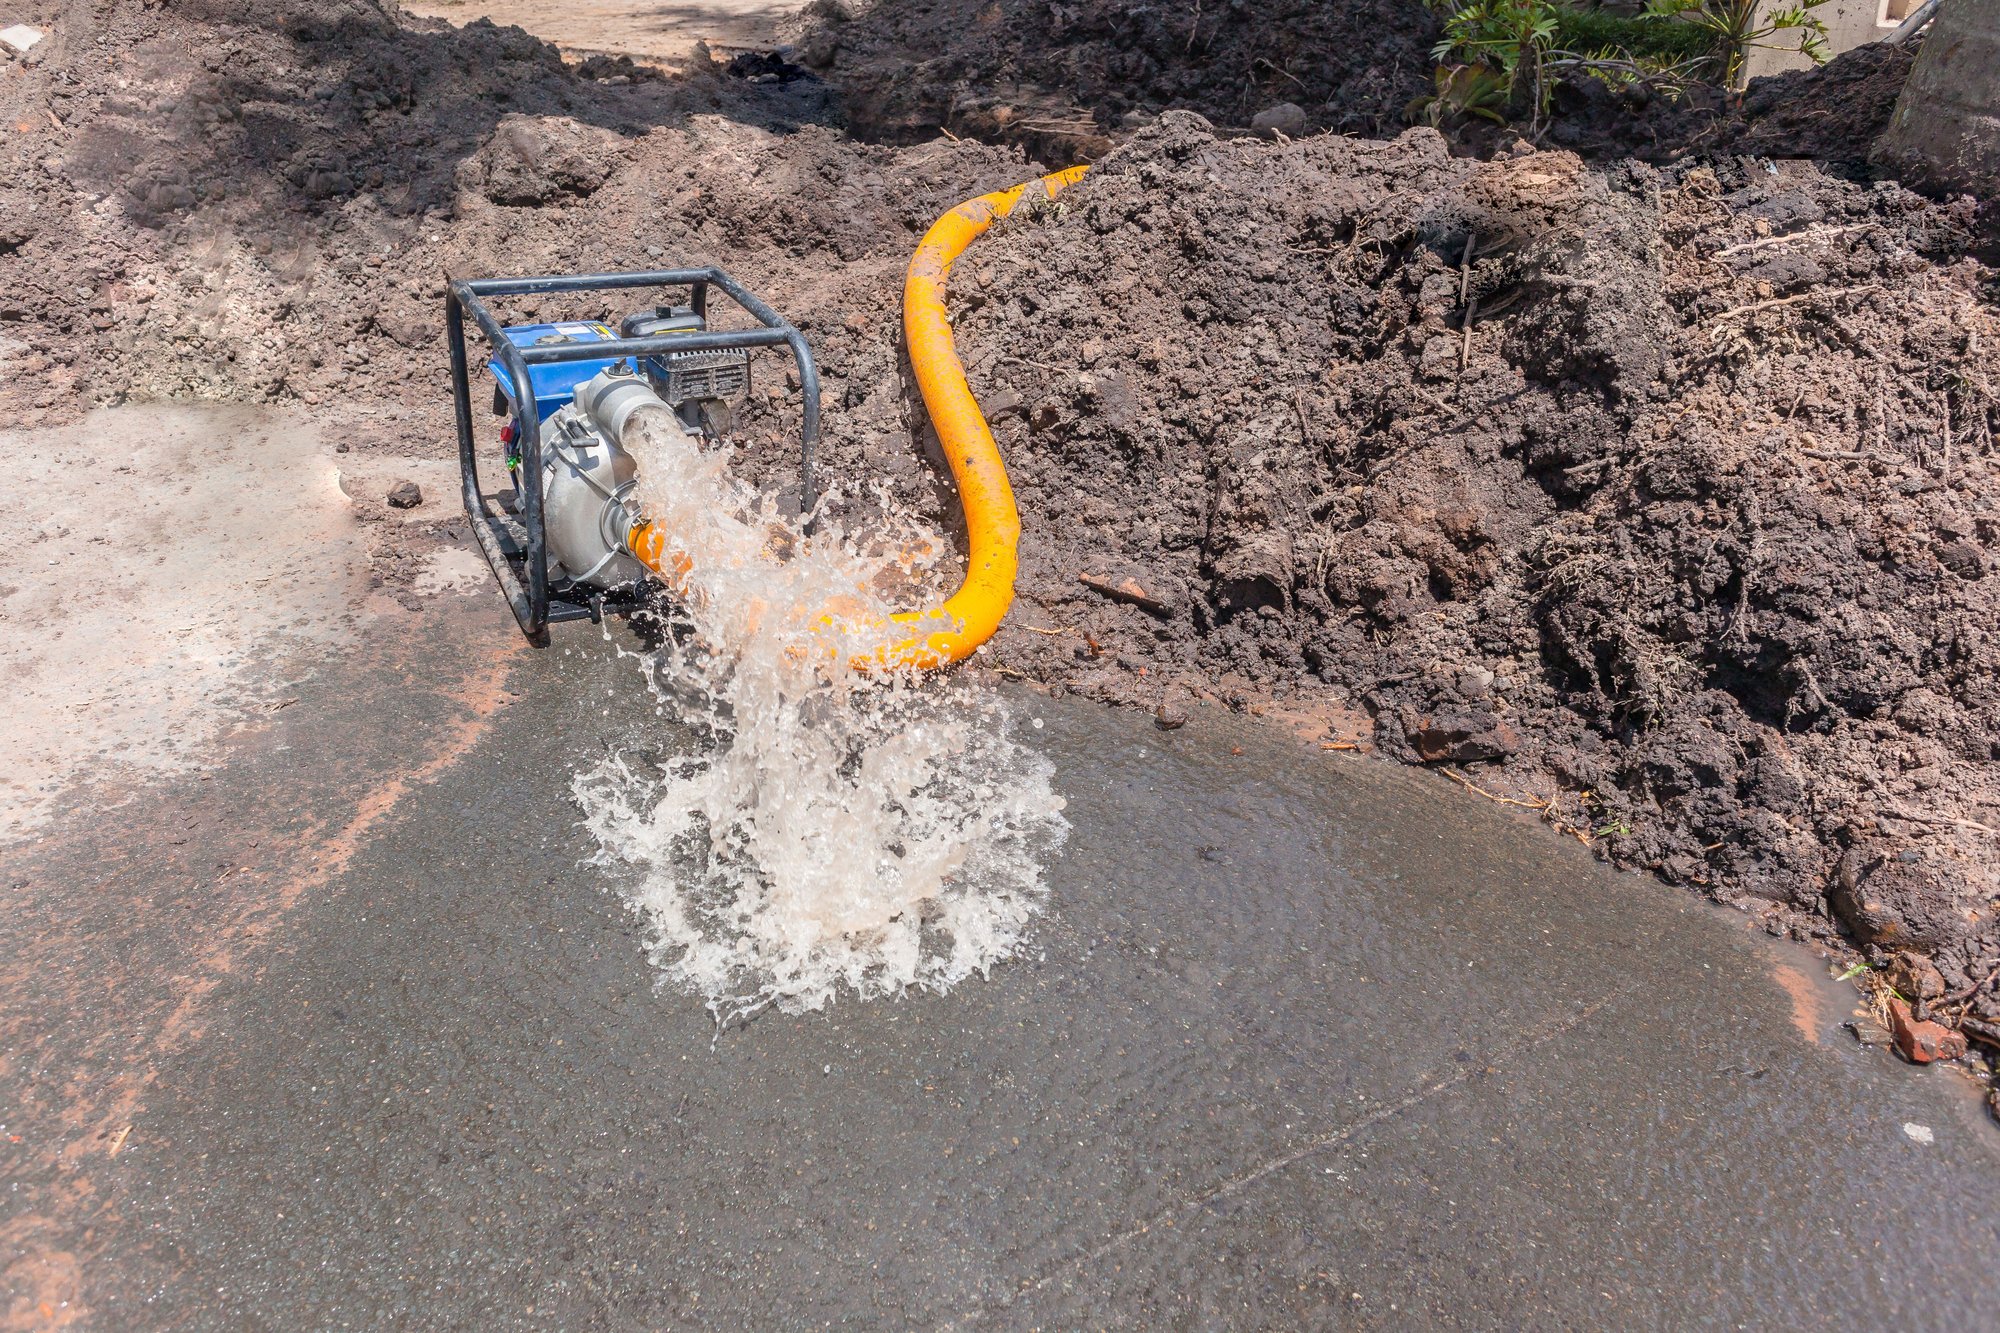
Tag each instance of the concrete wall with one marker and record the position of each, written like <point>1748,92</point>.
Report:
<point>1849,23</point>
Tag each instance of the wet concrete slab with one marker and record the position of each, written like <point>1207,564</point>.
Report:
<point>1303,1041</point>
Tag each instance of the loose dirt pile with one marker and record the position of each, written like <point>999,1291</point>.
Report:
<point>1071,73</point>
<point>1662,492</point>
<point>261,203</point>
<point>1686,533</point>
<point>1832,114</point>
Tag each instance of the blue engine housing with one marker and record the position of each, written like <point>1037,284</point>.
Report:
<point>553,385</point>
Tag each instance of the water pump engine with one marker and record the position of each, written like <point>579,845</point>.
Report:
<point>560,543</point>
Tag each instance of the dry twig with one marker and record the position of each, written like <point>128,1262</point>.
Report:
<point>1817,233</point>
<point>1755,306</point>
<point>1538,805</point>
<point>1470,304</point>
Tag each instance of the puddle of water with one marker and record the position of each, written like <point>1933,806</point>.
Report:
<point>826,831</point>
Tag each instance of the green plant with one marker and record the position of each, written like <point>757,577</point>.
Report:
<point>1503,59</point>
<point>1644,37</point>
<point>1511,38</point>
<point>1736,27</point>
<point>1458,91</point>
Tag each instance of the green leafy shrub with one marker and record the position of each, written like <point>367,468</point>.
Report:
<point>1503,59</point>
<point>1645,36</point>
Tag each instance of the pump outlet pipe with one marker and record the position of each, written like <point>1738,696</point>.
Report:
<point>992,522</point>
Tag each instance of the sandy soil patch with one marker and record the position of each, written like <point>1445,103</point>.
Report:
<point>167,560</point>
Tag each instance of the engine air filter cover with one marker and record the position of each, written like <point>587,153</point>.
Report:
<point>683,377</point>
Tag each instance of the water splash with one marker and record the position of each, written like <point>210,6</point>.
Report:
<point>828,830</point>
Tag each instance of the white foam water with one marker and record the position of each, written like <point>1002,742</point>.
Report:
<point>830,831</point>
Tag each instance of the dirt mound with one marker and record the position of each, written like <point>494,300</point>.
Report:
<point>1832,113</point>
<point>1069,80</point>
<point>252,203</point>
<point>1068,74</point>
<point>1689,536</point>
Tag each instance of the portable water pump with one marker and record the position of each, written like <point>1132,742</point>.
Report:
<point>574,545</point>
<point>561,549</point>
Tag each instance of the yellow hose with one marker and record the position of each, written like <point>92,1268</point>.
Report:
<point>992,523</point>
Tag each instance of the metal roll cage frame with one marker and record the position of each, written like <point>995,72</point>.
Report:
<point>523,572</point>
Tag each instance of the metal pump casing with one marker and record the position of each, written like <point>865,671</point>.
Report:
<point>587,476</point>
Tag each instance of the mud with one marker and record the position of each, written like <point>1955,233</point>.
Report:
<point>123,679</point>
<point>1685,545</point>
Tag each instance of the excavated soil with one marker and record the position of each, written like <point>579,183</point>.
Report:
<point>1652,497</point>
<point>1686,542</point>
<point>1831,114</point>
<point>1073,73</point>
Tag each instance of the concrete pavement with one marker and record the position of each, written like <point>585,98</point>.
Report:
<point>342,1034</point>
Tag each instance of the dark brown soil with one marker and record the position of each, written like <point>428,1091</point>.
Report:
<point>1832,114</point>
<point>1690,541</point>
<point>1071,75</point>
<point>1687,546</point>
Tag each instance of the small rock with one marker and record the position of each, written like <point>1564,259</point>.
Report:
<point>1918,1133</point>
<point>1922,1041</point>
<point>1004,403</point>
<point>1869,1033</point>
<point>1912,975</point>
<point>1286,118</point>
<point>1167,718</point>
<point>1463,738</point>
<point>341,447</point>
<point>405,495</point>
<point>1475,682</point>
<point>1962,558</point>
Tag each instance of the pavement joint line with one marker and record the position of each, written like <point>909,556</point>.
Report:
<point>1423,1091</point>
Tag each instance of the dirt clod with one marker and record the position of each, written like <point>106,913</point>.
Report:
<point>1462,738</point>
<point>404,495</point>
